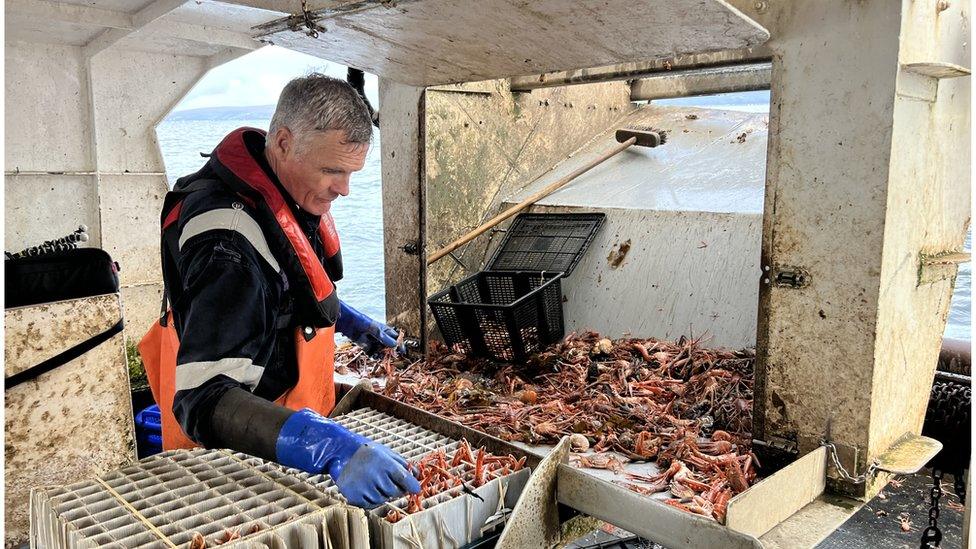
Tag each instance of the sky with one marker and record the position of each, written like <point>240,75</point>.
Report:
<point>258,77</point>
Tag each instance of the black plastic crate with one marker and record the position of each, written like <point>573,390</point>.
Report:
<point>514,308</point>
<point>506,316</point>
<point>546,242</point>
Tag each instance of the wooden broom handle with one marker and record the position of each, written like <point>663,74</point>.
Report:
<point>549,189</point>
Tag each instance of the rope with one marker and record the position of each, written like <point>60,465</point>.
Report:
<point>414,536</point>
<point>135,512</point>
<point>502,490</point>
<point>444,531</point>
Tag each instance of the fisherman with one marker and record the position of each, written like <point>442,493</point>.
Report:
<point>243,359</point>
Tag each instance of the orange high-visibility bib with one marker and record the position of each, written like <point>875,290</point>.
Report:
<point>315,388</point>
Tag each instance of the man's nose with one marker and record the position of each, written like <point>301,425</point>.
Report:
<point>341,186</point>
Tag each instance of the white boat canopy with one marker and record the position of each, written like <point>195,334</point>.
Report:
<point>417,42</point>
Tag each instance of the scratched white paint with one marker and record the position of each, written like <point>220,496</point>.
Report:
<point>686,273</point>
<point>96,121</point>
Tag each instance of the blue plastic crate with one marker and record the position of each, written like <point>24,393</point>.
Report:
<point>149,431</point>
<point>150,419</point>
<point>151,444</point>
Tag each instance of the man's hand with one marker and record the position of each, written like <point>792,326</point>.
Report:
<point>371,335</point>
<point>365,472</point>
<point>375,474</point>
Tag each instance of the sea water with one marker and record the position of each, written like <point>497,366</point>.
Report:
<point>359,218</point>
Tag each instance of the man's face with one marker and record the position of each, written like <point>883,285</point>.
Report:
<point>315,170</point>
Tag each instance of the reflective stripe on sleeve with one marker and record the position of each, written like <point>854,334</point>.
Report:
<point>232,219</point>
<point>194,374</point>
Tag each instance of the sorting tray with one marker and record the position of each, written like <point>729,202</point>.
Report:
<point>162,501</point>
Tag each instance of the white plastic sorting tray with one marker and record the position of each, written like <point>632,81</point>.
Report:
<point>161,501</point>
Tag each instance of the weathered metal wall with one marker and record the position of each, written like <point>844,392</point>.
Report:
<point>477,143</point>
<point>73,422</point>
<point>634,70</point>
<point>484,143</point>
<point>443,41</point>
<point>47,124</point>
<point>849,205</point>
<point>132,180</point>
<point>679,252</point>
<point>92,122</point>
<point>666,274</point>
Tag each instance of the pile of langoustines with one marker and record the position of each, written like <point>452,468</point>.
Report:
<point>679,403</point>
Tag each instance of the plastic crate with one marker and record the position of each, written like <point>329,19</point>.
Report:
<point>502,315</point>
<point>149,431</point>
<point>514,308</point>
<point>552,243</point>
<point>150,419</point>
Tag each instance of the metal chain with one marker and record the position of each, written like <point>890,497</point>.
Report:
<point>312,29</point>
<point>932,536</point>
<point>844,474</point>
<point>69,242</point>
<point>960,486</point>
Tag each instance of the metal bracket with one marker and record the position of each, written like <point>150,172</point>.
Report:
<point>305,22</point>
<point>934,267</point>
<point>775,453</point>
<point>908,454</point>
<point>458,261</point>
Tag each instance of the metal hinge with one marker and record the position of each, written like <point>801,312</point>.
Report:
<point>786,276</point>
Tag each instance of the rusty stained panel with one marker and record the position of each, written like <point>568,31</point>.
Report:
<point>853,196</point>
<point>481,149</point>
<point>401,140</point>
<point>824,213</point>
<point>73,422</point>
<point>39,332</point>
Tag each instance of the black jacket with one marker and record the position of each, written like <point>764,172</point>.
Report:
<point>233,310</point>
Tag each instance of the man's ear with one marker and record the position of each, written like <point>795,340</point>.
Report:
<point>283,141</point>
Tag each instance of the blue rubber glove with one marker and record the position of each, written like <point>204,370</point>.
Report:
<point>371,335</point>
<point>365,472</point>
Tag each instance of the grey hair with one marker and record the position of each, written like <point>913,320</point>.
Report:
<point>317,102</point>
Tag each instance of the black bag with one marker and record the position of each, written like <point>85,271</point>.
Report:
<point>67,274</point>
